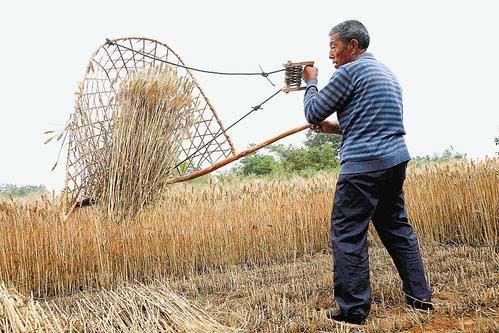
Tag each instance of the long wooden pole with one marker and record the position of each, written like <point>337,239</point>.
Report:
<point>239,155</point>
<point>207,170</point>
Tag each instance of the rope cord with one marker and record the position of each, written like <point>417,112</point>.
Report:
<point>253,109</point>
<point>262,73</point>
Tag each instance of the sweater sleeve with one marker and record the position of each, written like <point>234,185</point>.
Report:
<point>319,105</point>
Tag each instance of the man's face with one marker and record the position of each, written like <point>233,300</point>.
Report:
<point>339,52</point>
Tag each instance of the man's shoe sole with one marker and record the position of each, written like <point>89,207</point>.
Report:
<point>344,322</point>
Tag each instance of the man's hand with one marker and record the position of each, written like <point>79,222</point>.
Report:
<point>327,127</point>
<point>310,72</point>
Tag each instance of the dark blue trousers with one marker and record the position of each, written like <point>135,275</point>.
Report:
<point>360,198</point>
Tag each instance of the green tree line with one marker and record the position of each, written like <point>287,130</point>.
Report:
<point>320,152</point>
<point>21,191</point>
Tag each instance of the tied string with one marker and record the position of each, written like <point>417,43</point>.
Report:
<point>219,133</point>
<point>253,109</point>
<point>261,73</point>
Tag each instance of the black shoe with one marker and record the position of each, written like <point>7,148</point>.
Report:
<point>420,304</point>
<point>337,315</point>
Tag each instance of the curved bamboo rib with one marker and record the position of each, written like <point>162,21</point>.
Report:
<point>88,129</point>
<point>198,86</point>
<point>239,155</point>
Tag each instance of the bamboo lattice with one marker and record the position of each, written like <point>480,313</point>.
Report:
<point>89,128</point>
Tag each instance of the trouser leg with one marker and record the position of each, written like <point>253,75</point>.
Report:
<point>353,208</point>
<point>398,236</point>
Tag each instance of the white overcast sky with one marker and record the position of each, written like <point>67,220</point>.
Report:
<point>443,52</point>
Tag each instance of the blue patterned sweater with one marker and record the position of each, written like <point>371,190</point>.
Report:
<point>368,100</point>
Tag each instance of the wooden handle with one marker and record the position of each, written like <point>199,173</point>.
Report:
<point>87,202</point>
<point>301,63</point>
<point>239,155</point>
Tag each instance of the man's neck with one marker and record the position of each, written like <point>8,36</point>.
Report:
<point>358,55</point>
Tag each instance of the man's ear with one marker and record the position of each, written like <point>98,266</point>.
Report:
<point>353,45</point>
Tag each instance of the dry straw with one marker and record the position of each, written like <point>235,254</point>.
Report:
<point>154,114</point>
<point>135,308</point>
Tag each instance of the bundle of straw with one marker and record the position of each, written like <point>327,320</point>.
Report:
<point>133,308</point>
<point>154,114</point>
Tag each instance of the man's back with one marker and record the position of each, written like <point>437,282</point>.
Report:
<point>368,100</point>
<point>372,120</point>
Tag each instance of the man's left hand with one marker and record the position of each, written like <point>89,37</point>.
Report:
<point>327,127</point>
<point>310,72</point>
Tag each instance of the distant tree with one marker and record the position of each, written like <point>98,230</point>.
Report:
<point>21,191</point>
<point>317,140</point>
<point>320,153</point>
<point>447,155</point>
<point>450,154</point>
<point>323,150</point>
<point>258,164</point>
<point>291,158</point>
<point>497,144</point>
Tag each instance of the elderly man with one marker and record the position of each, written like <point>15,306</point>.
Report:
<point>367,98</point>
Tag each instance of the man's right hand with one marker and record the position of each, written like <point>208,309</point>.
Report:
<point>327,127</point>
<point>310,72</point>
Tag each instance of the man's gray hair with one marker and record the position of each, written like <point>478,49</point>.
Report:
<point>352,29</point>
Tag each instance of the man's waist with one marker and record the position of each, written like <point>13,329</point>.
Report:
<point>367,163</point>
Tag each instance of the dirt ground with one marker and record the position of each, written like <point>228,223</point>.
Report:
<point>292,297</point>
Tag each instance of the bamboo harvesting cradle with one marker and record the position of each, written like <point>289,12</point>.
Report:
<point>89,128</point>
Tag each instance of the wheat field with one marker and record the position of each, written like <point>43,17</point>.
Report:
<point>257,242</point>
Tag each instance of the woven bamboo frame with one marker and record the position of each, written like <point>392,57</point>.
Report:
<point>89,129</point>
